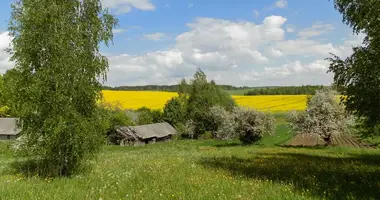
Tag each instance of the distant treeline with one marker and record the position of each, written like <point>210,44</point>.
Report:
<point>289,90</point>
<point>166,88</point>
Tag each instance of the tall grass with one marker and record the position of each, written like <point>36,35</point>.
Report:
<point>208,170</point>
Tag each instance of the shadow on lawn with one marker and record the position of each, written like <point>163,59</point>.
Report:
<point>324,177</point>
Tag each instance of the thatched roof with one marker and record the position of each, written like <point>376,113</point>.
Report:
<point>8,126</point>
<point>158,130</point>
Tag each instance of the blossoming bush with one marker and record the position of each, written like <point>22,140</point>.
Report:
<point>252,125</point>
<point>324,116</point>
<point>246,124</point>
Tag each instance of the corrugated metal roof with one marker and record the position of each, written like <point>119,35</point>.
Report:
<point>8,126</point>
<point>157,130</point>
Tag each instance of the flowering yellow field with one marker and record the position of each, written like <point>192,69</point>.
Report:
<point>156,100</point>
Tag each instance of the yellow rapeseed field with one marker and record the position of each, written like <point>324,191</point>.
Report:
<point>157,100</point>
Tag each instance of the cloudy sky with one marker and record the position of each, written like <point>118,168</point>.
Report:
<point>237,42</point>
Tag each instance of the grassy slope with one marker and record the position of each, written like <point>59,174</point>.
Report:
<point>209,169</point>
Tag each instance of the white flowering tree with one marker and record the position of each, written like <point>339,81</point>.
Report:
<point>324,116</point>
<point>246,124</point>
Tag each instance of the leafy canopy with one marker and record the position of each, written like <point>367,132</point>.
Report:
<point>358,75</point>
<point>59,71</point>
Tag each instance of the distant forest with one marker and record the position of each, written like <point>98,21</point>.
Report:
<point>166,88</point>
<point>290,90</point>
<point>248,91</point>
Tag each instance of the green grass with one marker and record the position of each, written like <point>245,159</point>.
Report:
<point>209,169</point>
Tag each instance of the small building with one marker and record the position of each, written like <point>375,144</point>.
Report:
<point>141,135</point>
<point>9,129</point>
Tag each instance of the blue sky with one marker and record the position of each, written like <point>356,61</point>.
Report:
<point>240,42</point>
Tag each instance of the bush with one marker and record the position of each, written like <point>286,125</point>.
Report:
<point>324,116</point>
<point>175,111</point>
<point>113,115</point>
<point>185,130</point>
<point>223,123</point>
<point>147,116</point>
<point>252,125</point>
<point>246,124</point>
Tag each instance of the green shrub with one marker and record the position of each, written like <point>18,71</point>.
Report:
<point>157,116</point>
<point>148,116</point>
<point>206,136</point>
<point>175,111</point>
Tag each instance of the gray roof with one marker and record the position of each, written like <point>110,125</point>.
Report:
<point>158,130</point>
<point>8,126</point>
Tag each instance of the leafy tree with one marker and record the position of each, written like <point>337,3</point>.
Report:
<point>59,68</point>
<point>324,116</point>
<point>175,111</point>
<point>201,97</point>
<point>183,88</point>
<point>358,75</point>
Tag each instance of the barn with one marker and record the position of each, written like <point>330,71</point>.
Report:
<point>141,135</point>
<point>9,129</point>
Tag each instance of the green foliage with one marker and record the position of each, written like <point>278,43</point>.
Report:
<point>201,97</point>
<point>148,116</point>
<point>58,65</point>
<point>291,90</point>
<point>175,111</point>
<point>171,88</point>
<point>144,116</point>
<point>324,116</point>
<point>358,75</point>
<point>113,116</point>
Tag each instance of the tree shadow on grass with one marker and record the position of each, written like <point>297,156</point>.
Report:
<point>325,177</point>
<point>40,168</point>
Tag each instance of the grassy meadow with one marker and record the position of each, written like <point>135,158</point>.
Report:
<point>157,100</point>
<point>207,169</point>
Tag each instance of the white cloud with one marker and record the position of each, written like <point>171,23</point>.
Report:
<point>290,29</point>
<point>124,6</point>
<point>5,40</point>
<point>275,52</point>
<point>290,71</point>
<point>233,52</point>
<point>281,3</point>
<point>154,36</point>
<point>315,30</point>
